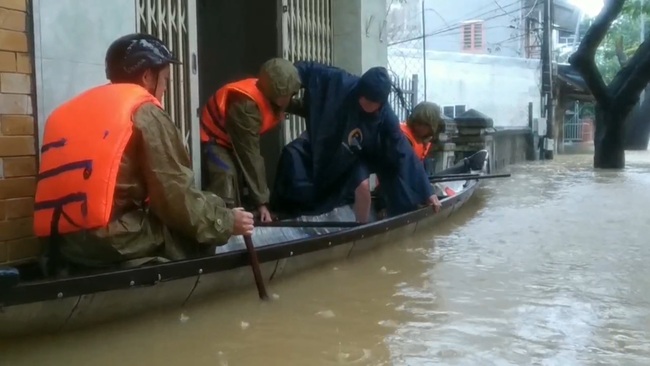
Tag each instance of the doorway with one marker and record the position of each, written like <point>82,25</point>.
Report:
<point>234,39</point>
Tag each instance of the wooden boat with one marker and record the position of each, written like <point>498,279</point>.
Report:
<point>53,305</point>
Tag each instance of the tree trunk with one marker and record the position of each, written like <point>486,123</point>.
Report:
<point>638,127</point>
<point>609,139</point>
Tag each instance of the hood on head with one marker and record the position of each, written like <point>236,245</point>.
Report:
<point>278,78</point>
<point>375,85</point>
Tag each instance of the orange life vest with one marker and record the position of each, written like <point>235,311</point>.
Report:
<point>421,149</point>
<point>83,144</point>
<point>213,118</point>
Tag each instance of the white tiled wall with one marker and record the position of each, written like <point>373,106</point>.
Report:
<point>71,38</point>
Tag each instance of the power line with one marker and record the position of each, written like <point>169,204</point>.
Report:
<point>459,26</point>
<point>477,13</point>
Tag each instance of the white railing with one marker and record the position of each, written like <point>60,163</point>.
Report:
<point>306,36</point>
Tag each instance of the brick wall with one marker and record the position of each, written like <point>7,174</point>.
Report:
<point>18,165</point>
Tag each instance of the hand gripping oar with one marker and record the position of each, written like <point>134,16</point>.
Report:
<point>255,266</point>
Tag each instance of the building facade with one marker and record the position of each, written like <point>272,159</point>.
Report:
<point>18,161</point>
<point>51,50</point>
<point>481,54</point>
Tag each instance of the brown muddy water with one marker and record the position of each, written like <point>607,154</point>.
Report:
<point>548,267</point>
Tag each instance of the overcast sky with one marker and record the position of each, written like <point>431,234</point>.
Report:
<point>590,7</point>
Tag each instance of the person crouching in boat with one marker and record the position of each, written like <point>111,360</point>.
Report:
<point>352,131</point>
<point>420,129</point>
<point>115,183</point>
<point>231,124</point>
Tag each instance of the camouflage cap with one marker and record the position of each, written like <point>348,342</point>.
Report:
<point>278,78</point>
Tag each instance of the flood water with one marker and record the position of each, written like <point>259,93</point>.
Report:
<point>549,267</point>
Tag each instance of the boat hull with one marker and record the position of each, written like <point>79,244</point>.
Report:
<point>67,304</point>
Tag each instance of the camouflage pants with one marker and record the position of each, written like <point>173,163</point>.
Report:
<point>222,177</point>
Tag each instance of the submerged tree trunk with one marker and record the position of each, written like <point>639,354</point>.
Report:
<point>609,140</point>
<point>615,101</point>
<point>637,124</point>
<point>637,133</point>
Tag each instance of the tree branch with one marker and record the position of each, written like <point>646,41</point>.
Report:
<point>620,53</point>
<point>631,79</point>
<point>584,58</point>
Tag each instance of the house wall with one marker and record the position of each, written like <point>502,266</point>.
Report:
<point>358,35</point>
<point>70,47</point>
<point>500,87</point>
<point>503,28</point>
<point>17,130</point>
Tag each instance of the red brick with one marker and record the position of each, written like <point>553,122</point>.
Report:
<point>8,61</point>
<point>3,252</point>
<point>16,229</point>
<point>23,63</point>
<point>17,187</point>
<point>13,20</point>
<point>15,104</point>
<point>17,125</point>
<point>25,249</point>
<point>14,4</point>
<point>13,41</point>
<point>15,83</point>
<point>19,208</point>
<point>2,210</point>
<point>23,166</point>
<point>17,146</point>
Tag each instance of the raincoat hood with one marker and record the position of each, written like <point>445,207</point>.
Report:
<point>375,85</point>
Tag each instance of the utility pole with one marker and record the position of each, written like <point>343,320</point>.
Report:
<point>424,53</point>
<point>547,147</point>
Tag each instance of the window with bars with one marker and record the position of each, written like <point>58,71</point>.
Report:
<point>473,37</point>
<point>453,111</point>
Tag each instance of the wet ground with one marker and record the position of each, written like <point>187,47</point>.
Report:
<point>548,267</point>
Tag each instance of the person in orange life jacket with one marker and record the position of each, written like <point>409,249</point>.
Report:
<point>116,186</point>
<point>420,129</point>
<point>232,122</point>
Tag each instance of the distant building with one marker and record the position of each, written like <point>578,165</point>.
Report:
<point>511,28</point>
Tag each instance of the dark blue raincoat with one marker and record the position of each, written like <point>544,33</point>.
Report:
<point>343,145</point>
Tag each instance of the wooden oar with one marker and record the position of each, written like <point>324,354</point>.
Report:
<point>255,266</point>
<point>453,176</point>
<point>456,179</point>
<point>325,224</point>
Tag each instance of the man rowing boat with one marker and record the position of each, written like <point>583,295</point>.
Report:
<point>116,187</point>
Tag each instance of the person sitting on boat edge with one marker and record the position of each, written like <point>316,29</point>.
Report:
<point>115,184</point>
<point>420,129</point>
<point>351,131</point>
<point>231,124</point>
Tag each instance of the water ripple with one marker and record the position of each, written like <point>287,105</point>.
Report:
<point>552,271</point>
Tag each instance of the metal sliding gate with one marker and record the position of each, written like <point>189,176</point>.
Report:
<point>306,36</point>
<point>174,21</point>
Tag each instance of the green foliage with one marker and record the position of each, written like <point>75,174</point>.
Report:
<point>635,8</point>
<point>626,28</point>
